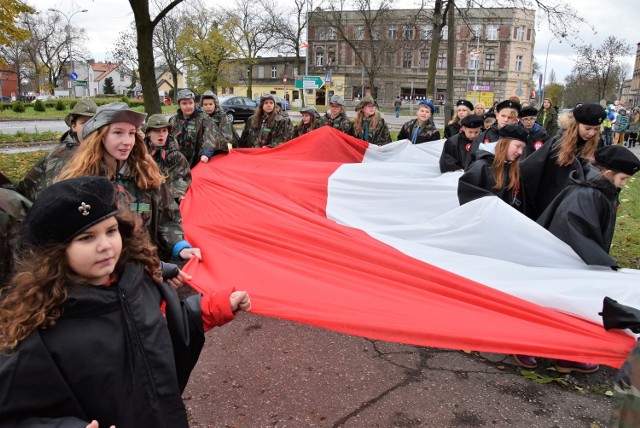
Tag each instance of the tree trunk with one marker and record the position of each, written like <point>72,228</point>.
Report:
<point>144,44</point>
<point>451,62</point>
<point>435,47</point>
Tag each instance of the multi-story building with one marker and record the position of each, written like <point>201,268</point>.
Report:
<point>497,41</point>
<point>634,93</point>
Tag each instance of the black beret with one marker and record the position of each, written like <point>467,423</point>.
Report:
<point>589,114</point>
<point>472,121</point>
<point>514,132</point>
<point>465,103</point>
<point>528,111</point>
<point>488,115</point>
<point>69,207</point>
<point>509,104</point>
<point>618,158</point>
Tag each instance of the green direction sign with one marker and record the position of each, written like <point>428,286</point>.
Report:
<point>309,82</point>
<point>80,83</point>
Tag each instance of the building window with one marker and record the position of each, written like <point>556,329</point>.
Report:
<point>518,62</point>
<point>407,59</point>
<point>474,60</point>
<point>426,31</point>
<point>392,32</point>
<point>274,72</point>
<point>331,57</point>
<point>442,60</point>
<point>408,32</point>
<point>319,57</point>
<point>520,34</point>
<point>424,59</point>
<point>121,76</point>
<point>492,32</point>
<point>391,59</point>
<point>320,33</point>
<point>359,35</point>
<point>261,72</point>
<point>331,34</point>
<point>375,34</point>
<point>476,30</point>
<point>445,32</point>
<point>490,62</point>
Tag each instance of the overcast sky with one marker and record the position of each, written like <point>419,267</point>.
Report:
<point>106,18</point>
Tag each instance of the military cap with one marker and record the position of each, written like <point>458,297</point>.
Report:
<point>528,111</point>
<point>112,113</point>
<point>508,104</point>
<point>336,99</point>
<point>618,158</point>
<point>465,103</point>
<point>589,114</point>
<point>488,115</point>
<point>84,107</point>
<point>156,121</point>
<point>514,132</point>
<point>68,208</point>
<point>185,94</point>
<point>310,110</point>
<point>366,100</point>
<point>209,94</point>
<point>428,104</point>
<point>472,121</point>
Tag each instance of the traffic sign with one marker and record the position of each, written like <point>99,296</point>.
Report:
<point>309,82</point>
<point>73,76</point>
<point>81,83</point>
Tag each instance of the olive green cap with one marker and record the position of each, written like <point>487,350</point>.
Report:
<point>156,121</point>
<point>84,107</point>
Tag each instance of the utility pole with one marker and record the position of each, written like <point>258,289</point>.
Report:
<point>69,39</point>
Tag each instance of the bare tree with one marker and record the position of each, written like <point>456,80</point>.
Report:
<point>16,59</point>
<point>165,39</point>
<point>124,52</point>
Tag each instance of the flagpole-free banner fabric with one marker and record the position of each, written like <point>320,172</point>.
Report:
<point>371,241</point>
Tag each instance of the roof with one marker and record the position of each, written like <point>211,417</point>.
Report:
<point>105,68</point>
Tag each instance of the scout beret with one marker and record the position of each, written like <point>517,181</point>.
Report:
<point>514,132</point>
<point>185,94</point>
<point>465,103</point>
<point>508,104</point>
<point>112,113</point>
<point>84,107</point>
<point>588,114</point>
<point>68,208</point>
<point>528,111</point>
<point>488,115</point>
<point>618,158</point>
<point>366,100</point>
<point>472,121</point>
<point>428,104</point>
<point>336,99</point>
<point>156,121</point>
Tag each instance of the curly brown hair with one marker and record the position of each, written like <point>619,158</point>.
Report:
<point>256,119</point>
<point>357,122</point>
<point>498,166</point>
<point>36,293</point>
<point>89,160</point>
<point>568,149</point>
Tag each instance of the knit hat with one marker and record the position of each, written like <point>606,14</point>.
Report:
<point>112,113</point>
<point>465,103</point>
<point>528,112</point>
<point>68,208</point>
<point>472,121</point>
<point>514,132</point>
<point>618,158</point>
<point>508,104</point>
<point>156,121</point>
<point>589,114</point>
<point>336,99</point>
<point>428,104</point>
<point>185,94</point>
<point>366,100</point>
<point>84,107</point>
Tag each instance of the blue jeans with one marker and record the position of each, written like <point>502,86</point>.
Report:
<point>607,136</point>
<point>397,111</point>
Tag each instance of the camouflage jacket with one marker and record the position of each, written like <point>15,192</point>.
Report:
<point>301,128</point>
<point>159,212</point>
<point>279,132</point>
<point>626,390</point>
<point>379,136</point>
<point>428,132</point>
<point>340,122</point>
<point>48,167</point>
<point>197,135</point>
<point>173,165</point>
<point>221,120</point>
<point>13,209</point>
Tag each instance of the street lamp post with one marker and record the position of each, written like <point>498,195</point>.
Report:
<point>544,74</point>
<point>69,36</point>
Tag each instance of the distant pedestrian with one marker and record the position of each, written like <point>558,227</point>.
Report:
<point>547,117</point>
<point>479,109</point>
<point>397,104</point>
<point>620,126</point>
<point>634,127</point>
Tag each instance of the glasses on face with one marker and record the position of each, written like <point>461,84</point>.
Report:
<point>528,119</point>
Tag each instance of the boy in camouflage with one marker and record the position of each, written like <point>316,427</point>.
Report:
<point>336,116</point>
<point>13,209</point>
<point>266,128</point>
<point>45,170</point>
<point>164,150</point>
<point>197,136</point>
<point>211,106</point>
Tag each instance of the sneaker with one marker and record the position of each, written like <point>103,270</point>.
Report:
<point>526,361</point>
<point>563,366</point>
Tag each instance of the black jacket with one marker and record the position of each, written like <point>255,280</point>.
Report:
<point>451,130</point>
<point>479,180</point>
<point>490,135</point>
<point>454,153</point>
<point>537,137</point>
<point>112,356</point>
<point>583,215</point>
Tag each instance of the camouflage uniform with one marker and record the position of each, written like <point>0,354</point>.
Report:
<point>221,120</point>
<point>427,132</point>
<point>48,167</point>
<point>626,399</point>
<point>340,122</point>
<point>302,129</point>
<point>379,136</point>
<point>172,164</point>
<point>13,209</point>
<point>197,135</point>
<point>279,132</point>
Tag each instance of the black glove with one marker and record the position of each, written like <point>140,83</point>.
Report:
<point>169,270</point>
<point>616,315</point>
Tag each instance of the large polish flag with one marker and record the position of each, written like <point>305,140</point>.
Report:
<point>371,241</point>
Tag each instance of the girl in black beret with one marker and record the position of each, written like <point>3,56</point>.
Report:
<point>463,108</point>
<point>496,170</point>
<point>546,172</point>
<point>89,332</point>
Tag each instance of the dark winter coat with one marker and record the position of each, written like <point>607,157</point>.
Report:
<point>275,129</point>
<point>427,132</point>
<point>112,356</point>
<point>172,164</point>
<point>220,119</point>
<point>537,137</point>
<point>583,215</point>
<point>549,122</point>
<point>451,130</point>
<point>454,153</point>
<point>340,122</point>
<point>13,209</point>
<point>490,135</point>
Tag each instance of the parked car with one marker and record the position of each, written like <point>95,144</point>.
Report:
<point>237,107</point>
<point>283,103</point>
